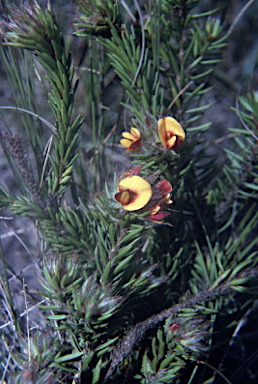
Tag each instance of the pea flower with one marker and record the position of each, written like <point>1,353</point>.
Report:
<point>134,193</point>
<point>170,132</point>
<point>137,194</point>
<point>162,189</point>
<point>132,141</point>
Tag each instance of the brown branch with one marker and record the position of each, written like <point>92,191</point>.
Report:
<point>125,347</point>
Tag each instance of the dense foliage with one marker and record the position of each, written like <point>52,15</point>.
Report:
<point>136,286</point>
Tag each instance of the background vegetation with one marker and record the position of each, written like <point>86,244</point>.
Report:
<point>122,298</point>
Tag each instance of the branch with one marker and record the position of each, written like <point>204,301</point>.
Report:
<point>125,347</point>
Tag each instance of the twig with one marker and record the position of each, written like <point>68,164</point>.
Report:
<point>243,321</point>
<point>6,304</point>
<point>229,136</point>
<point>245,364</point>
<point>216,370</point>
<point>128,11</point>
<point>47,151</point>
<point>27,314</point>
<point>15,276</point>
<point>5,368</point>
<point>9,234</point>
<point>242,121</point>
<point>240,324</point>
<point>239,16</point>
<point>104,142</point>
<point>23,314</point>
<point>33,114</point>
<point>177,96</point>
<point>24,245</point>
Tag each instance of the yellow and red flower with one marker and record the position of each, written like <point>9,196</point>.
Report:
<point>162,190</point>
<point>134,193</point>
<point>137,194</point>
<point>170,132</point>
<point>131,141</point>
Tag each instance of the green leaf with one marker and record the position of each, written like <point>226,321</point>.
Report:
<point>70,357</point>
<point>57,317</point>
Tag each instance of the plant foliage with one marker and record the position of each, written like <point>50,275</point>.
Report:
<point>128,299</point>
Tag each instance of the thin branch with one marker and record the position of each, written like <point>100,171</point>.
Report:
<point>23,313</point>
<point>5,368</point>
<point>216,370</point>
<point>177,96</point>
<point>7,306</point>
<point>48,147</point>
<point>242,121</point>
<point>229,136</point>
<point>240,15</point>
<point>244,366</point>
<point>104,142</point>
<point>18,231</point>
<point>27,315</point>
<point>128,11</point>
<point>243,321</point>
<point>53,129</point>
<point>23,244</point>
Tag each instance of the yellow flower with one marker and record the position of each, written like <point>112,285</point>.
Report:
<point>170,132</point>
<point>134,193</point>
<point>132,141</point>
<point>137,194</point>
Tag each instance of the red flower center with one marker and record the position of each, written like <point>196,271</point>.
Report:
<point>169,135</point>
<point>125,197</point>
<point>177,142</point>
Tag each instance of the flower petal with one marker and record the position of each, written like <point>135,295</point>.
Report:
<point>171,142</point>
<point>155,209</point>
<point>159,216</point>
<point>134,145</point>
<point>174,127</point>
<point>140,187</point>
<point>128,136</point>
<point>162,131</point>
<point>135,132</point>
<point>125,143</point>
<point>165,186</point>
